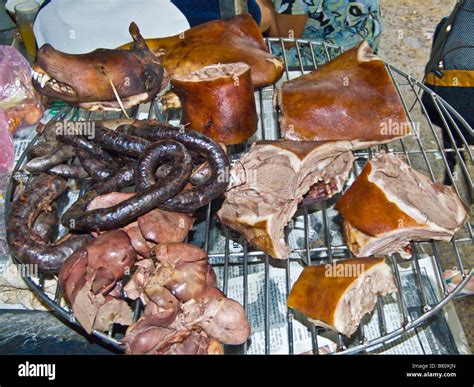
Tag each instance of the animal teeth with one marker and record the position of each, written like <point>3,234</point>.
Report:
<point>35,75</point>
<point>45,79</point>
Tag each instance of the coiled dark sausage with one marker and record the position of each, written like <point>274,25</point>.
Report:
<point>95,168</point>
<point>145,200</point>
<point>23,212</point>
<point>43,163</point>
<point>42,149</point>
<point>84,144</point>
<point>119,142</point>
<point>196,197</point>
<point>68,171</point>
<point>120,179</point>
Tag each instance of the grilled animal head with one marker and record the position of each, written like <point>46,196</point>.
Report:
<point>101,77</point>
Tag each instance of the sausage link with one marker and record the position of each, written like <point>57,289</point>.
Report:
<point>23,213</point>
<point>196,197</point>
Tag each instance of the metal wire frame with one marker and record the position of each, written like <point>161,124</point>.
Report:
<point>411,148</point>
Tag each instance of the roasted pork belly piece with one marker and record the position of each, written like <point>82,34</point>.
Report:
<point>390,204</point>
<point>350,98</point>
<point>269,182</point>
<point>338,295</point>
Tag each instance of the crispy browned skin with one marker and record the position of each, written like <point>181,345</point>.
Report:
<point>316,295</point>
<point>346,99</point>
<point>133,72</point>
<point>365,207</point>
<point>221,41</point>
<point>222,107</point>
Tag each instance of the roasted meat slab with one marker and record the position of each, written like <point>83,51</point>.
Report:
<point>237,39</point>
<point>390,204</point>
<point>219,101</point>
<point>269,182</point>
<point>337,296</point>
<point>350,98</point>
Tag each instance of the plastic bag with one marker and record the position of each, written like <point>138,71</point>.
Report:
<point>19,101</point>
<point>6,146</point>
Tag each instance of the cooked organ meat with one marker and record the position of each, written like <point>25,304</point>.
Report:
<point>113,310</point>
<point>89,276</point>
<point>156,226</point>
<point>135,287</point>
<point>102,79</point>
<point>220,318</point>
<point>218,100</point>
<point>184,312</point>
<point>141,246</point>
<point>269,182</point>
<point>390,204</point>
<point>161,306</point>
<point>182,269</point>
<point>237,39</point>
<point>340,295</point>
<point>165,227</point>
<point>145,339</point>
<point>350,98</point>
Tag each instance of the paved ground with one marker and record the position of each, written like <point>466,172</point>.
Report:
<point>406,42</point>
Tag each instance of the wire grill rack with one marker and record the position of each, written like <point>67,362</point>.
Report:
<point>423,150</point>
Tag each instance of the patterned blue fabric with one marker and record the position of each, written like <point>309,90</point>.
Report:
<point>342,23</point>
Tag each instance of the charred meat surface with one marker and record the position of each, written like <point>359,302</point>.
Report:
<point>269,182</point>
<point>349,98</point>
<point>338,297</point>
<point>390,204</point>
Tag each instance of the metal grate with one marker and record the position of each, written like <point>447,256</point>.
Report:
<point>237,261</point>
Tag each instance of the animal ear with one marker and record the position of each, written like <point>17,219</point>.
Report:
<point>137,37</point>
